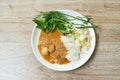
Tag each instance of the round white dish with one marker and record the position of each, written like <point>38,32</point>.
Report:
<point>66,67</point>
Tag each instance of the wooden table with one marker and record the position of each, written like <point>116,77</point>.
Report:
<point>17,61</point>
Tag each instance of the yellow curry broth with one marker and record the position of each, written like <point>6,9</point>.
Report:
<point>58,56</point>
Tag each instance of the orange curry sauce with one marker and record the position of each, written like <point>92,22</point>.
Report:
<point>58,56</point>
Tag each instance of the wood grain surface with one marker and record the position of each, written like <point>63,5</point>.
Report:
<point>17,61</point>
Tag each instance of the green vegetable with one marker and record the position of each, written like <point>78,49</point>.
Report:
<point>52,20</point>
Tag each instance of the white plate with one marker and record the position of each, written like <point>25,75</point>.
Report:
<point>73,65</point>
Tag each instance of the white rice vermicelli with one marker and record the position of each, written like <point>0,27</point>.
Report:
<point>73,53</point>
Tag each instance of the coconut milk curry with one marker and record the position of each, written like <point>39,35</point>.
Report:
<point>52,48</point>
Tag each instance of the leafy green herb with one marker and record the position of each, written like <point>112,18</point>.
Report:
<point>52,20</point>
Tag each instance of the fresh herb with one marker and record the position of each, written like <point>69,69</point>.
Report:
<point>52,20</point>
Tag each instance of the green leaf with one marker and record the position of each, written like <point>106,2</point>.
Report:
<point>62,29</point>
<point>40,22</point>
